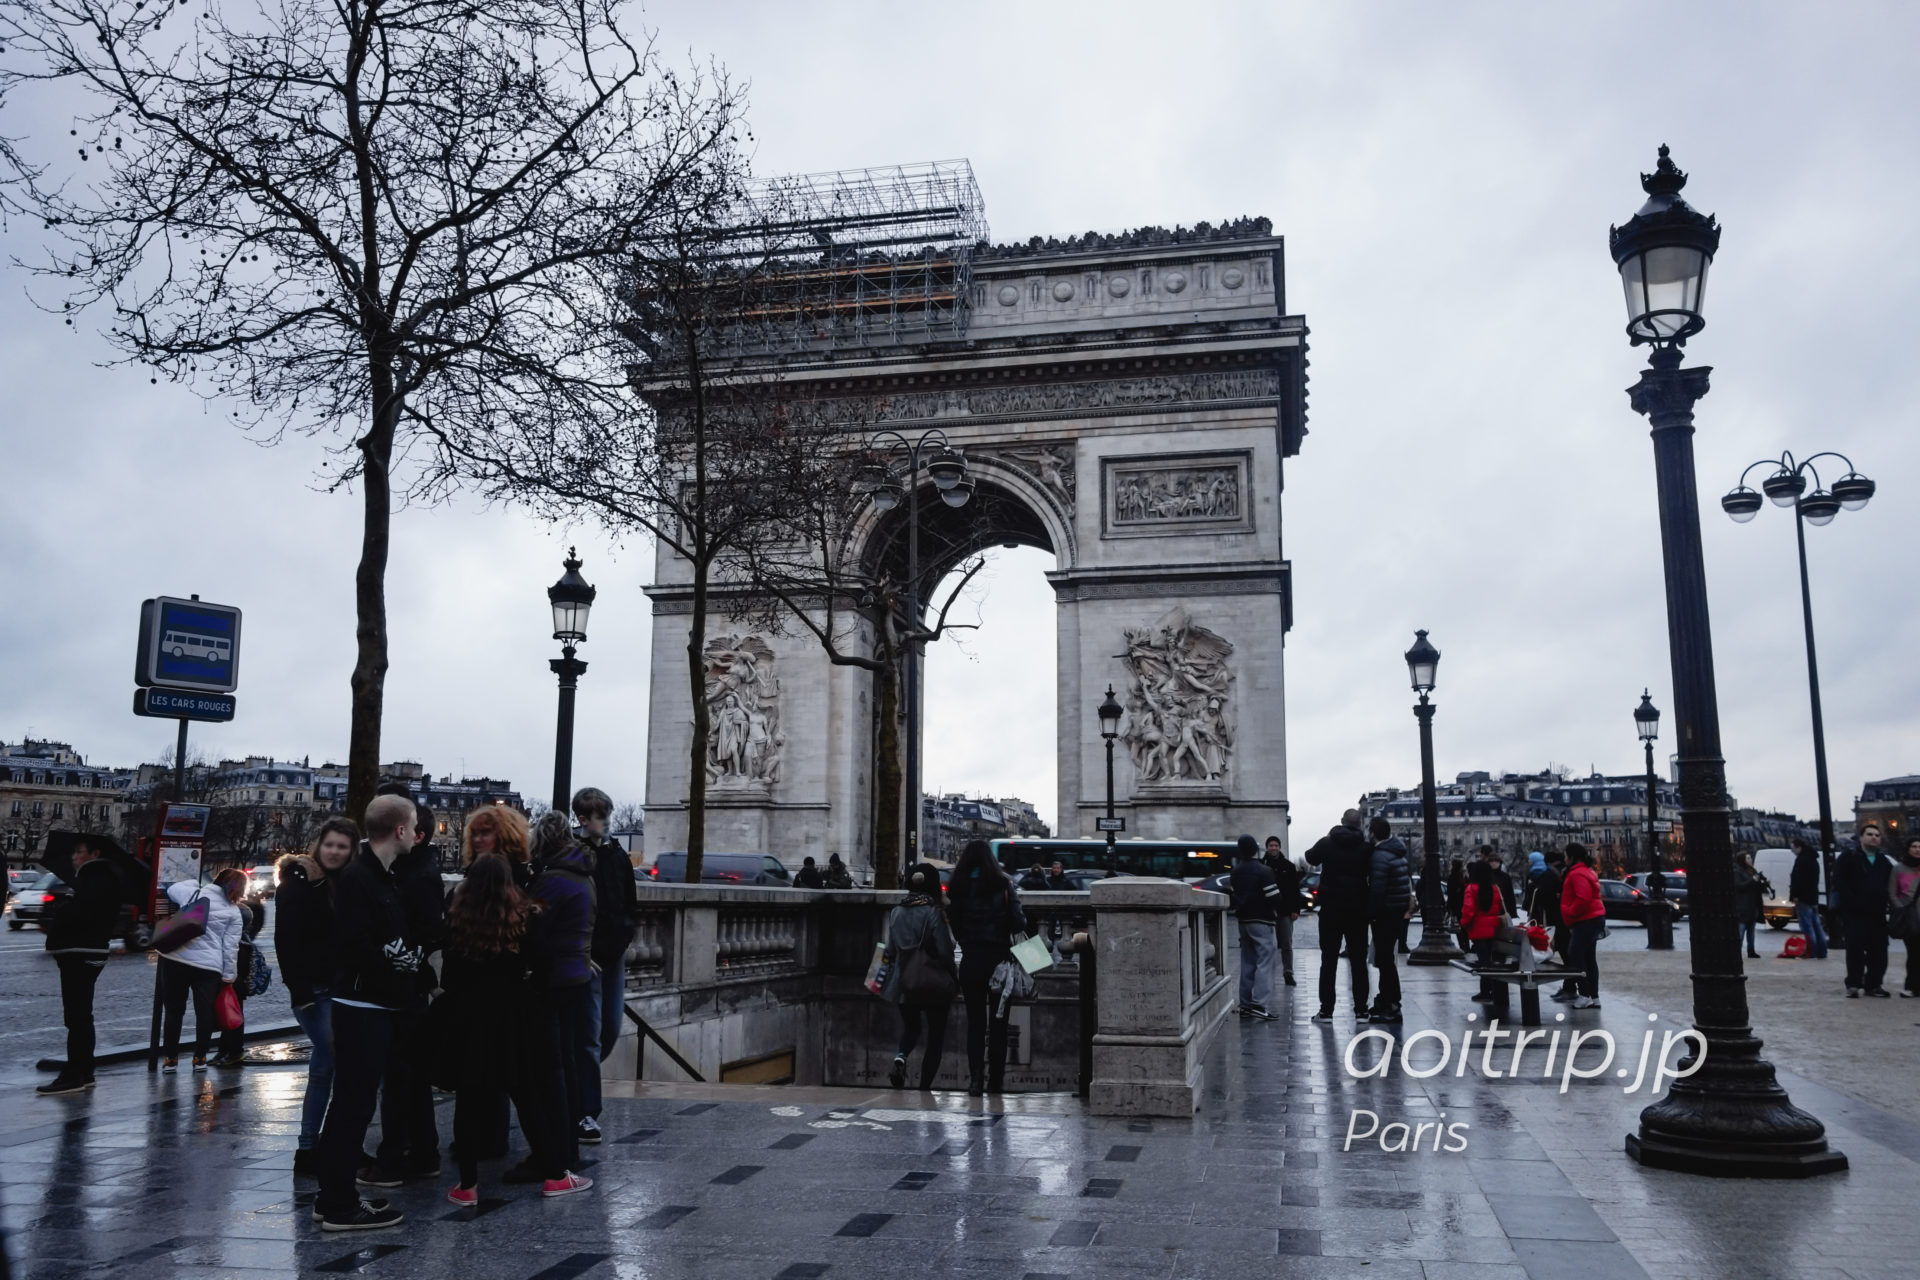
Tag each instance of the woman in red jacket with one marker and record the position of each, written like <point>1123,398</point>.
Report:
<point>1586,917</point>
<point>1481,911</point>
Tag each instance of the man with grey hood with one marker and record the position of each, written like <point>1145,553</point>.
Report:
<point>1389,905</point>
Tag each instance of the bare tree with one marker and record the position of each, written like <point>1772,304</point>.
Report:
<point>388,222</point>
<point>725,450</point>
<point>821,577</point>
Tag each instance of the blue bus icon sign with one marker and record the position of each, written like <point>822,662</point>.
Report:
<point>188,644</point>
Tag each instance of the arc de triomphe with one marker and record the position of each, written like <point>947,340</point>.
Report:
<point>1127,403</point>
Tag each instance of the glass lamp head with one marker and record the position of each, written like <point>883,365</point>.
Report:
<point>1663,253</point>
<point>572,600</point>
<point>1423,663</point>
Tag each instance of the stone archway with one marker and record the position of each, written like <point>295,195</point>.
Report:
<point>1127,403</point>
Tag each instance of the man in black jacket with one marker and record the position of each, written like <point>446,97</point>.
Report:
<point>1803,888</point>
<point>77,934</point>
<point>616,909</point>
<point>378,975</point>
<point>1291,903</point>
<point>1389,904</point>
<point>409,1138</point>
<point>1256,903</point>
<point>1860,883</point>
<point>1346,869</point>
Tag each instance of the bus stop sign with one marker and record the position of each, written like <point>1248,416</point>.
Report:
<point>188,644</point>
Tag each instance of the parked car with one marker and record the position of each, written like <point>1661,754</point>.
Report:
<point>31,905</point>
<point>1310,889</point>
<point>262,881</point>
<point>726,868</point>
<point>1624,902</point>
<point>1675,888</point>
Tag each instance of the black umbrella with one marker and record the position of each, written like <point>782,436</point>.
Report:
<point>59,859</point>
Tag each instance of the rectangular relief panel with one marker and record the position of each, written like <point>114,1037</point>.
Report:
<point>1176,493</point>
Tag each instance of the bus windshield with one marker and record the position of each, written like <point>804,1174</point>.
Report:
<point>1173,859</point>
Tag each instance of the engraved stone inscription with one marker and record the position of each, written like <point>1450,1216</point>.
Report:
<point>1112,393</point>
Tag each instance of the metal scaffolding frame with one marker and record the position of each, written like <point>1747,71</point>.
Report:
<point>856,258</point>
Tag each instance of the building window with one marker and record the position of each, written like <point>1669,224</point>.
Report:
<point>38,808</point>
<point>16,808</point>
<point>86,811</point>
<point>280,796</point>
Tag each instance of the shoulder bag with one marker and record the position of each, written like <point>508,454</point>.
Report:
<point>927,976</point>
<point>183,926</point>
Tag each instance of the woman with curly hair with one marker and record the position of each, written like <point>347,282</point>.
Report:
<point>498,1016</point>
<point>499,829</point>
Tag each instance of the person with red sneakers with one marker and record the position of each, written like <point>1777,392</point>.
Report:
<point>495,1014</point>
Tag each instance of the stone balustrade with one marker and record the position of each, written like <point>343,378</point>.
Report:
<point>763,984</point>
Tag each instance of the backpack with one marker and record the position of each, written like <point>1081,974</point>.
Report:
<point>927,975</point>
<point>1795,948</point>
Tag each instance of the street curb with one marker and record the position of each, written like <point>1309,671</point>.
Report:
<point>138,1052</point>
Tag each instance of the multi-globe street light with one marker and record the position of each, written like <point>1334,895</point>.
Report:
<point>886,486</point>
<point>1436,944</point>
<point>572,600</point>
<point>1787,487</point>
<point>1646,722</point>
<point>1730,1117</point>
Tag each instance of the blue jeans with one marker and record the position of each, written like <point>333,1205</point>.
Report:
<point>316,1020</point>
<point>1813,931</point>
<point>1749,932</point>
<point>1256,961</point>
<point>609,1009</point>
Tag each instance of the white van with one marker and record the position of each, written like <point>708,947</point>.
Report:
<point>1776,865</point>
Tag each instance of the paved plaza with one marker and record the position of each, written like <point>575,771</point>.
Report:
<point>191,1176</point>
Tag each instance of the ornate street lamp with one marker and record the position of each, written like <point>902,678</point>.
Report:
<point>1646,722</point>
<point>1110,712</point>
<point>933,457</point>
<point>1850,492</point>
<point>572,600</point>
<point>1730,1118</point>
<point>1436,944</point>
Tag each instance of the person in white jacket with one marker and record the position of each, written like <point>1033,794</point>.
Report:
<point>200,967</point>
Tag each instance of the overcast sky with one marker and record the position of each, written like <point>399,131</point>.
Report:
<point>1444,176</point>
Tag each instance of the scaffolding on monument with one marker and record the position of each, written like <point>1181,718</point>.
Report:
<point>857,258</point>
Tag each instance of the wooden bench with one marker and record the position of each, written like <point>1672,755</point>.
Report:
<point>1529,980</point>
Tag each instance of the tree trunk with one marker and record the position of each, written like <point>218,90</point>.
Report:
<point>370,601</point>
<point>888,779</point>
<point>702,726</point>
<point>697,625</point>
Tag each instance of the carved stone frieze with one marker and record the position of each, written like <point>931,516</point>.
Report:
<point>1179,702</point>
<point>1109,393</point>
<point>1050,464</point>
<point>743,699</point>
<point>1177,493</point>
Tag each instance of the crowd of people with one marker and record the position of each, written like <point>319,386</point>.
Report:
<point>508,992</point>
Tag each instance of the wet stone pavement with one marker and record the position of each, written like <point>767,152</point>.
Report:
<point>191,1176</point>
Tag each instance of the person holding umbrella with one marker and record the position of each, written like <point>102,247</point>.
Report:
<point>77,936</point>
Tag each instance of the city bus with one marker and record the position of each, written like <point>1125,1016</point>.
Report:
<point>1174,859</point>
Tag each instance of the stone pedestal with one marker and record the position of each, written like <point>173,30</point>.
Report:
<point>1163,993</point>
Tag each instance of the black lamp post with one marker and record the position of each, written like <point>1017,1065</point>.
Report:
<point>1787,487</point>
<point>1436,944</point>
<point>572,599</point>
<point>1646,720</point>
<point>947,468</point>
<point>1110,713</point>
<point>1730,1118</point>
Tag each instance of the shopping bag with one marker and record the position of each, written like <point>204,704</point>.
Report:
<point>1032,953</point>
<point>1795,948</point>
<point>1009,982</point>
<point>182,927</point>
<point>877,970</point>
<point>226,1009</point>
